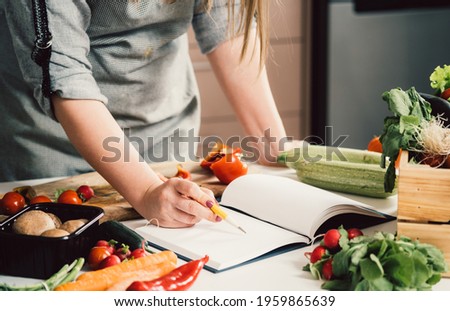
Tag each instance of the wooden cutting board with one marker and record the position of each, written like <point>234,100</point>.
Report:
<point>114,205</point>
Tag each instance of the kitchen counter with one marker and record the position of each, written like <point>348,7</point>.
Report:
<point>279,273</point>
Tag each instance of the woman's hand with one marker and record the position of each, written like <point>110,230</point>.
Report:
<point>177,203</point>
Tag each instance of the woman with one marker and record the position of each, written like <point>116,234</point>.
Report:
<point>123,66</point>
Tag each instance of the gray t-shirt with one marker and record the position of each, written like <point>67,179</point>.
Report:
<point>131,55</point>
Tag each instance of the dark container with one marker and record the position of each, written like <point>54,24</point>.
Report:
<point>40,257</point>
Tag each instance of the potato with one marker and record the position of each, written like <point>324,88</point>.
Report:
<point>73,225</point>
<point>56,220</point>
<point>55,233</point>
<point>33,223</point>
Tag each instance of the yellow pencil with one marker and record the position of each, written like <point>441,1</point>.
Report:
<point>222,214</point>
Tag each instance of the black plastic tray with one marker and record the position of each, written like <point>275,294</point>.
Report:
<point>40,257</point>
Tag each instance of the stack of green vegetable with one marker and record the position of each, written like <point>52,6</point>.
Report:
<point>380,262</point>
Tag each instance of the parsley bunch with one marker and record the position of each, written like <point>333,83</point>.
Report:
<point>382,262</point>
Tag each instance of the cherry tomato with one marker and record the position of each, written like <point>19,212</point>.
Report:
<point>85,192</point>
<point>317,253</point>
<point>12,203</point>
<point>109,261</point>
<point>138,253</point>
<point>375,145</point>
<point>353,233</point>
<point>228,168</point>
<point>446,94</point>
<point>331,239</point>
<point>109,245</point>
<point>327,269</point>
<point>96,255</point>
<point>69,197</point>
<point>40,199</point>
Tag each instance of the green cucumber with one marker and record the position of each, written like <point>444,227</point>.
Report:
<point>115,230</point>
<point>313,153</point>
<point>345,170</point>
<point>348,177</point>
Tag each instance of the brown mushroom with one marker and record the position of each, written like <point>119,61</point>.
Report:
<point>73,225</point>
<point>55,233</point>
<point>56,220</point>
<point>33,223</point>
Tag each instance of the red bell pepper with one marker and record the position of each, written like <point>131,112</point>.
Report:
<point>228,168</point>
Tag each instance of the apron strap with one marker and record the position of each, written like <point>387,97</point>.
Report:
<point>42,44</point>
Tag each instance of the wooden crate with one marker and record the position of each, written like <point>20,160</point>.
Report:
<point>424,204</point>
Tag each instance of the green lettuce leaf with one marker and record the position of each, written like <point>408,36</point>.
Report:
<point>440,78</point>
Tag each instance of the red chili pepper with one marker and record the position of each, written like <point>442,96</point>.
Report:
<point>183,173</point>
<point>178,279</point>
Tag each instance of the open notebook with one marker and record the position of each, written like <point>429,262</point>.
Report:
<point>278,213</point>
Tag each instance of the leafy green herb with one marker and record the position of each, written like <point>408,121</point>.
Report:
<point>409,110</point>
<point>440,79</point>
<point>383,262</point>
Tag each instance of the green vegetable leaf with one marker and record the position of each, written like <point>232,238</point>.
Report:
<point>421,272</point>
<point>408,124</point>
<point>440,78</point>
<point>400,267</point>
<point>359,253</point>
<point>371,268</point>
<point>398,101</point>
<point>341,263</point>
<point>339,285</point>
<point>380,284</point>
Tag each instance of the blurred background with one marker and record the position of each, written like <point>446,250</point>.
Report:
<point>332,59</point>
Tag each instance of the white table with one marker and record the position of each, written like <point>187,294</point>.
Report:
<point>280,273</point>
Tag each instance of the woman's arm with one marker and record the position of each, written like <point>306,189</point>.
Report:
<point>89,126</point>
<point>248,90</point>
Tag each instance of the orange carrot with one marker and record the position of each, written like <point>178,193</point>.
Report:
<point>105,278</point>
<point>140,275</point>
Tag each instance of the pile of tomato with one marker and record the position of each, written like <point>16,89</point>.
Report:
<point>16,200</point>
<point>109,253</point>
<point>329,246</point>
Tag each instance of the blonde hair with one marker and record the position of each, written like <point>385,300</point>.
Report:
<point>249,11</point>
